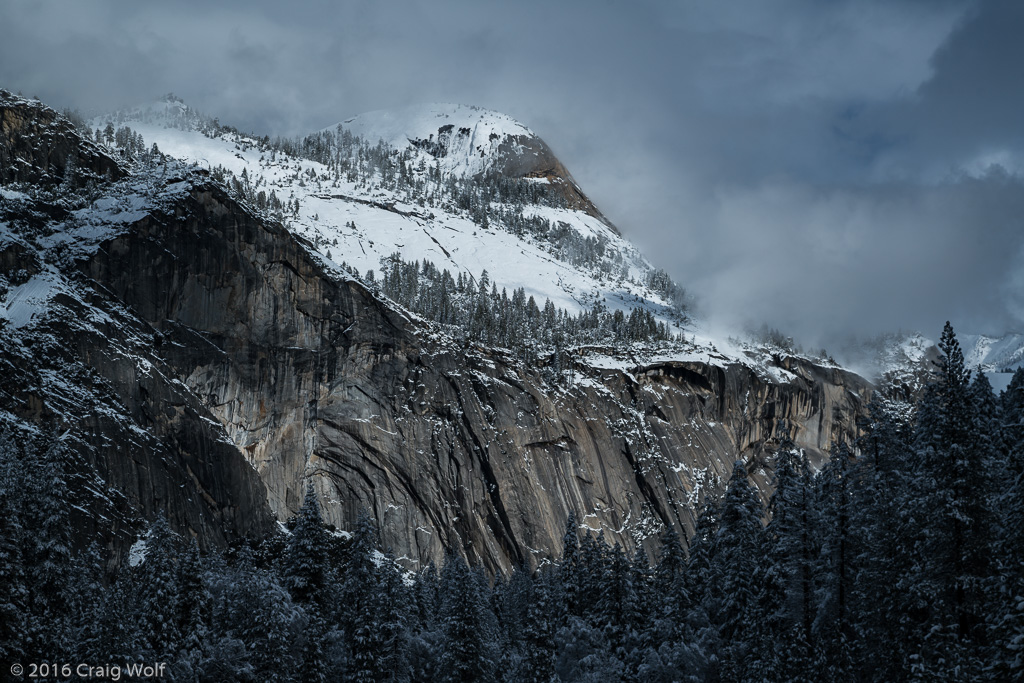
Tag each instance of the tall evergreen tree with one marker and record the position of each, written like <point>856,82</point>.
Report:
<point>391,614</point>
<point>14,590</point>
<point>539,631</point>
<point>193,608</point>
<point>786,574</point>
<point>159,591</point>
<point>887,606</point>
<point>512,603</point>
<point>1008,631</point>
<point>425,595</point>
<point>115,636</point>
<point>834,624</point>
<point>84,595</point>
<point>314,661</point>
<point>568,567</point>
<point>304,567</point>
<point>252,607</point>
<point>701,571</point>
<point>590,573</point>
<point>673,597</point>
<point>372,621</point>
<point>46,554</point>
<point>738,543</point>
<point>466,652</point>
<point>617,611</point>
<point>953,544</point>
<point>1011,406</point>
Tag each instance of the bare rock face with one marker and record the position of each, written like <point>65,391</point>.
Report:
<point>523,156</point>
<point>202,364</point>
<point>140,444</point>
<point>39,146</point>
<point>81,368</point>
<point>447,447</point>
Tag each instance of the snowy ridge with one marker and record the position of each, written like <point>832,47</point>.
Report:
<point>24,302</point>
<point>997,357</point>
<point>465,138</point>
<point>356,218</point>
<point>167,112</point>
<point>363,224</point>
<point>993,354</point>
<point>355,223</point>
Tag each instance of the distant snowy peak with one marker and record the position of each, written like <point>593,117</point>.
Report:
<point>911,357</point>
<point>467,141</point>
<point>993,353</point>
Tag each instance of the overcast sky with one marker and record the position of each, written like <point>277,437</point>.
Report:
<point>826,167</point>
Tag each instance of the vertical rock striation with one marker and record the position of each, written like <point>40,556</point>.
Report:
<point>448,447</point>
<point>201,363</point>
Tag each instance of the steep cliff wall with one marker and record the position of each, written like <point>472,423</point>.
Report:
<point>446,446</point>
<point>85,370</point>
<point>201,362</point>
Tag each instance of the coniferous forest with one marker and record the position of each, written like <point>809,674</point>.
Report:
<point>900,559</point>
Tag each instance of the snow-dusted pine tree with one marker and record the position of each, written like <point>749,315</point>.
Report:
<point>304,568</point>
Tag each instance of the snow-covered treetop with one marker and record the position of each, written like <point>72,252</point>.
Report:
<point>169,111</point>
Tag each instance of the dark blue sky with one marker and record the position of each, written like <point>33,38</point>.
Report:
<point>825,166</point>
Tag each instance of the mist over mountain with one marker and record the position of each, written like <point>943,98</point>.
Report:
<point>446,342</point>
<point>873,152</point>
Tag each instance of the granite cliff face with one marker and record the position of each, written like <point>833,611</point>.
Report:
<point>86,370</point>
<point>446,446</point>
<point>209,365</point>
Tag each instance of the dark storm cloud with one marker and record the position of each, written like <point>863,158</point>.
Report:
<point>970,114</point>
<point>826,261</point>
<point>822,166</point>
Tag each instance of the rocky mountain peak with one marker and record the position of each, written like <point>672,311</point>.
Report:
<point>465,141</point>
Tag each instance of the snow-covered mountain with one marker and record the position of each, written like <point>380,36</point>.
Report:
<point>906,360</point>
<point>363,219</point>
<point>362,212</point>
<point>462,140</point>
<point>1001,354</point>
<point>208,337</point>
<point>400,183</point>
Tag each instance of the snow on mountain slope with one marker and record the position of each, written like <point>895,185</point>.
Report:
<point>131,199</point>
<point>993,354</point>
<point>997,357</point>
<point>209,366</point>
<point>414,204</point>
<point>363,223</point>
<point>465,140</point>
<point>166,112</point>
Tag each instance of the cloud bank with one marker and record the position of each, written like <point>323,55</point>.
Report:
<point>829,168</point>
